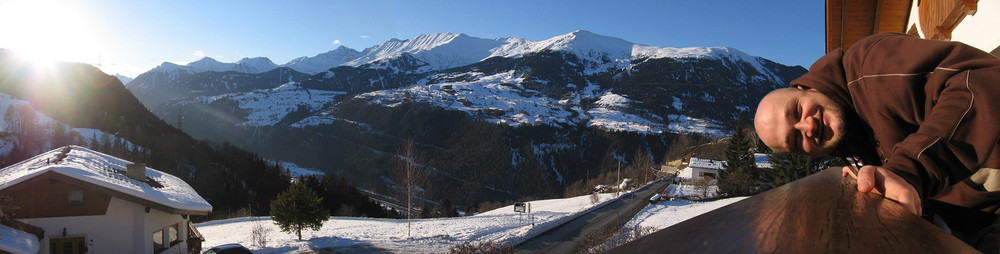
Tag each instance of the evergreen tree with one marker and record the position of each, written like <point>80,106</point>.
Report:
<point>298,208</point>
<point>59,136</point>
<point>472,209</point>
<point>786,168</point>
<point>94,144</point>
<point>447,209</point>
<point>740,175</point>
<point>425,212</point>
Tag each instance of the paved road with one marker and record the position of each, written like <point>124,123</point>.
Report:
<point>564,238</point>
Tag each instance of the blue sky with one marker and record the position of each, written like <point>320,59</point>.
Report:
<point>131,37</point>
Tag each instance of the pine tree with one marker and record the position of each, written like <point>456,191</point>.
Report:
<point>298,208</point>
<point>786,168</point>
<point>740,176</point>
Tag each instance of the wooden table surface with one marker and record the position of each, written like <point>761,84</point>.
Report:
<point>822,213</point>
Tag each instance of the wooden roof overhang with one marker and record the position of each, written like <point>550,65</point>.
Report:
<point>848,21</point>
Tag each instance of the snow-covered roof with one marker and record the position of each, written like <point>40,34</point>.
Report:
<point>107,171</point>
<point>17,241</point>
<point>705,163</point>
<point>761,160</point>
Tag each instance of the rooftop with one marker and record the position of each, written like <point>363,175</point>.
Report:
<point>706,163</point>
<point>107,171</point>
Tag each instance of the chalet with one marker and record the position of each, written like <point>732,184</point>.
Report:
<point>85,201</point>
<point>698,167</point>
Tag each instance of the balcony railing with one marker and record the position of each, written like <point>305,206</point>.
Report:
<point>819,213</point>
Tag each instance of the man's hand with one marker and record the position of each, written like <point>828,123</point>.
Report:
<point>889,184</point>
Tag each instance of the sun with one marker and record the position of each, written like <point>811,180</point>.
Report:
<point>45,31</point>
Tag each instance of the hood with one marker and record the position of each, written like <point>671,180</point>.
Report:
<point>827,76</point>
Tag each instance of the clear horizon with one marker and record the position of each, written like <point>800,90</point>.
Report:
<point>132,37</point>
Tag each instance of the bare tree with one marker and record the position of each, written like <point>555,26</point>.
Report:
<point>643,165</point>
<point>409,175</point>
<point>702,184</point>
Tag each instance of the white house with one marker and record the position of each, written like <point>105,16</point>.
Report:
<point>698,167</point>
<point>761,160</point>
<point>91,202</point>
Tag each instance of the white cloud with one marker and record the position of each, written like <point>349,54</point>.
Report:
<point>365,36</point>
<point>199,53</point>
<point>336,41</point>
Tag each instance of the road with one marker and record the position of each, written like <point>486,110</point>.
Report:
<point>564,238</point>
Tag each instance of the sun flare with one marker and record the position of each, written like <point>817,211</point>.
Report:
<point>45,31</point>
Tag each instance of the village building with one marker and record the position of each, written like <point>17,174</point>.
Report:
<point>81,201</point>
<point>761,160</point>
<point>699,167</point>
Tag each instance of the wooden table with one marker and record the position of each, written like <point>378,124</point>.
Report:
<point>816,214</point>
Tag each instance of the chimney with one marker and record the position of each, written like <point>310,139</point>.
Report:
<point>136,171</point>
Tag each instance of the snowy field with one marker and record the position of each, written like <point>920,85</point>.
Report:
<point>665,214</point>
<point>691,191</point>
<point>428,235</point>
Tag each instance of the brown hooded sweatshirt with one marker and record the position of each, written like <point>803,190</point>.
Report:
<point>933,109</point>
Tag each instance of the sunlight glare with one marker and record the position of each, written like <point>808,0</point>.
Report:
<point>44,31</point>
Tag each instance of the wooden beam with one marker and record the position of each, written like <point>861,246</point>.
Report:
<point>822,213</point>
<point>843,23</point>
<point>878,16</point>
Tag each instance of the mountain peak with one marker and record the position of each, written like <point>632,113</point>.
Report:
<point>204,60</point>
<point>438,50</point>
<point>323,61</point>
<point>259,59</point>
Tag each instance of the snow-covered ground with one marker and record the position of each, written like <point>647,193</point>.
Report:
<point>438,235</point>
<point>665,214</point>
<point>691,191</point>
<point>428,235</point>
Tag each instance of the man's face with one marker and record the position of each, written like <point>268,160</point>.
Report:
<point>799,121</point>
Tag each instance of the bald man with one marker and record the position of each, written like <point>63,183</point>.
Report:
<point>920,117</point>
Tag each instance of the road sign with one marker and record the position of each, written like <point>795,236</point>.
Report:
<point>519,207</point>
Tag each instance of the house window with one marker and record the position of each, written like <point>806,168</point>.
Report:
<point>158,241</point>
<point>175,235</point>
<point>75,197</point>
<point>166,238</point>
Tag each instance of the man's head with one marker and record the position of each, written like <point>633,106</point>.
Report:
<point>799,121</point>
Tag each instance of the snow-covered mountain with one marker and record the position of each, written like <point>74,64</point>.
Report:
<point>323,62</point>
<point>245,65</point>
<point>439,51</point>
<point>530,116</point>
<point>124,79</point>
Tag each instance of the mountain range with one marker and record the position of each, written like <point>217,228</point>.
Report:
<point>500,119</point>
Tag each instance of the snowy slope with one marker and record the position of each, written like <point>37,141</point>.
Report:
<point>124,79</point>
<point>322,62</point>
<point>267,107</point>
<point>502,99</point>
<point>440,51</point>
<point>496,98</point>
<point>347,234</point>
<point>47,124</point>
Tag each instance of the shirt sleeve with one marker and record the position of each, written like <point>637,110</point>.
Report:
<point>961,122</point>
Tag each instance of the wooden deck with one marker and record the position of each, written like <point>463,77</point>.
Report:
<point>822,213</point>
